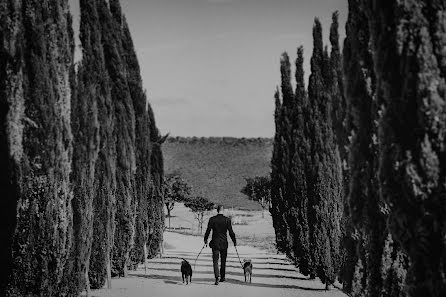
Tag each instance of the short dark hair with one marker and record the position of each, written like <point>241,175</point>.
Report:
<point>219,207</point>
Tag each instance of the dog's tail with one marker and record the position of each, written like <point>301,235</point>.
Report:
<point>185,260</point>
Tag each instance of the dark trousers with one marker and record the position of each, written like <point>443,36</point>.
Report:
<point>215,255</point>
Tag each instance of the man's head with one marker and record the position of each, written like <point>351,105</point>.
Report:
<point>220,208</point>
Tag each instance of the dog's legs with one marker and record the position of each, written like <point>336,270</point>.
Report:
<point>245,277</point>
<point>250,276</point>
<point>182,275</point>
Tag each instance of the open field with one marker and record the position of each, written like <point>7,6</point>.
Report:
<point>216,167</point>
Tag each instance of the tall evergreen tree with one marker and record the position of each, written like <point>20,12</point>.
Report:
<point>278,180</point>
<point>281,181</point>
<point>10,73</point>
<point>156,203</point>
<point>364,198</point>
<point>326,179</point>
<point>409,61</point>
<point>85,127</point>
<point>338,98</point>
<point>380,267</point>
<point>315,88</point>
<point>111,20</point>
<point>86,143</point>
<point>94,79</point>
<point>287,118</point>
<point>143,147</point>
<point>36,143</point>
<point>299,168</point>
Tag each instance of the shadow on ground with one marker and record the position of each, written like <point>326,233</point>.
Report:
<point>229,262</point>
<point>236,273</point>
<point>176,280</point>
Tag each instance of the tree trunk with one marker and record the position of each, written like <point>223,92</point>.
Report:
<point>145,258</point>
<point>109,284</point>
<point>162,245</point>
<point>125,269</point>
<point>87,283</point>
<point>200,222</point>
<point>168,212</point>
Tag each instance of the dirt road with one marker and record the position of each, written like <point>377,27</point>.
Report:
<point>273,275</point>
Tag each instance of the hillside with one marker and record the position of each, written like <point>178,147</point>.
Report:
<point>216,167</point>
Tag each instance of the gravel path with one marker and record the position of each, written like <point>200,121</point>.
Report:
<point>273,275</point>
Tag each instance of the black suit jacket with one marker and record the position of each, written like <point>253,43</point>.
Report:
<point>219,225</point>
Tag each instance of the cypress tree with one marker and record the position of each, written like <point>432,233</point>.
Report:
<point>380,265</point>
<point>110,20</point>
<point>326,181</point>
<point>338,98</point>
<point>143,147</point>
<point>282,191</point>
<point>299,168</point>
<point>339,120</point>
<point>287,189</point>
<point>275,166</point>
<point>364,197</point>
<point>410,73</point>
<point>277,180</point>
<point>10,66</point>
<point>156,203</point>
<point>315,88</point>
<point>94,76</point>
<point>36,144</point>
<point>85,127</point>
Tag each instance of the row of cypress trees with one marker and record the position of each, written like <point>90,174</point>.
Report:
<point>307,176</point>
<point>358,167</point>
<point>83,153</point>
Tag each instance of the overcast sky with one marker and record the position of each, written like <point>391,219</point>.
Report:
<point>210,67</point>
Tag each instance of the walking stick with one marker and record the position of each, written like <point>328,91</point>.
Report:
<point>199,255</point>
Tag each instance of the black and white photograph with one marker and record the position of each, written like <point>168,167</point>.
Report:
<point>223,148</point>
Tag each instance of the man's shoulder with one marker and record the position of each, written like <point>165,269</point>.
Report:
<point>220,217</point>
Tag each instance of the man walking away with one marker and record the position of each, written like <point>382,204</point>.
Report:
<point>219,225</point>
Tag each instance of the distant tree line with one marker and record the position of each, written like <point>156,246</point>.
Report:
<point>358,169</point>
<point>218,140</point>
<point>81,159</point>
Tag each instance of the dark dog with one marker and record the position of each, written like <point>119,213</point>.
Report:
<point>186,271</point>
<point>247,269</point>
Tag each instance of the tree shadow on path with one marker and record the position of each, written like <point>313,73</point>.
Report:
<point>209,259</point>
<point>260,275</point>
<point>227,266</point>
<point>175,280</point>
